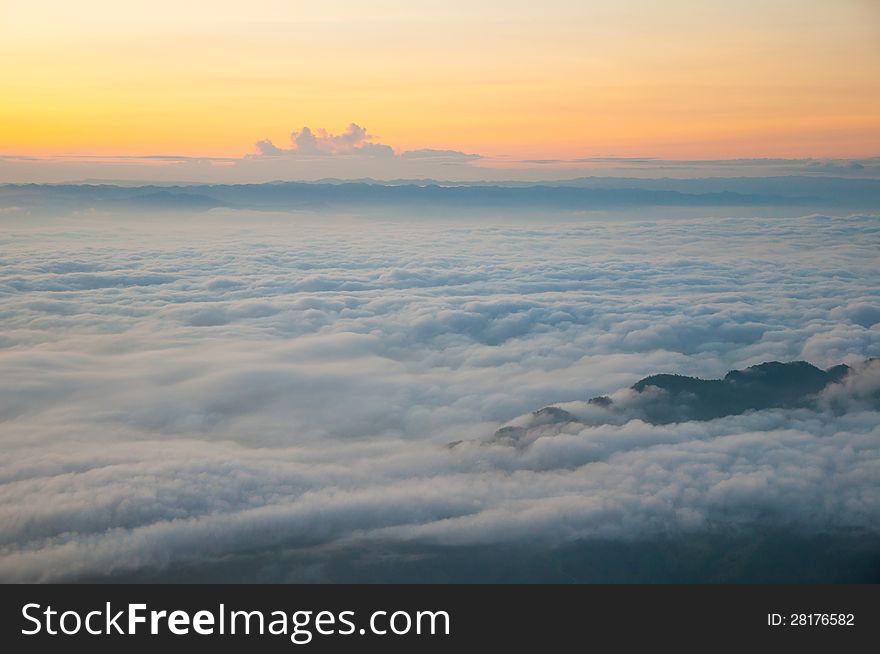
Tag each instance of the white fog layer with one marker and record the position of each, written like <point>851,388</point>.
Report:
<point>182,390</point>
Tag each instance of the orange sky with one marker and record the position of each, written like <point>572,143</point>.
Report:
<point>675,79</point>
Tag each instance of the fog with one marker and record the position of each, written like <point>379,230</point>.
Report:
<point>233,394</point>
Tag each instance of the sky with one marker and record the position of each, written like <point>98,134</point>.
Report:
<point>514,82</point>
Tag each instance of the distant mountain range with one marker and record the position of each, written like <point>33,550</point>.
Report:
<point>568,195</point>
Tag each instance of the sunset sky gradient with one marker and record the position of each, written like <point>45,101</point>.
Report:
<point>513,79</point>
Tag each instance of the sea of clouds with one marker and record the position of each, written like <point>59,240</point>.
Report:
<point>180,391</point>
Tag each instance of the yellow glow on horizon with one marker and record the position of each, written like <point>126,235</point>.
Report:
<point>708,79</point>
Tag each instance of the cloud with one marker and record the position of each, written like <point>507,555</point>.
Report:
<point>860,390</point>
<point>353,141</point>
<point>861,312</point>
<point>444,155</point>
<point>264,390</point>
<point>268,149</point>
<point>315,154</point>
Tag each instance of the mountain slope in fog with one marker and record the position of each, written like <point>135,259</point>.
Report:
<point>665,398</point>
